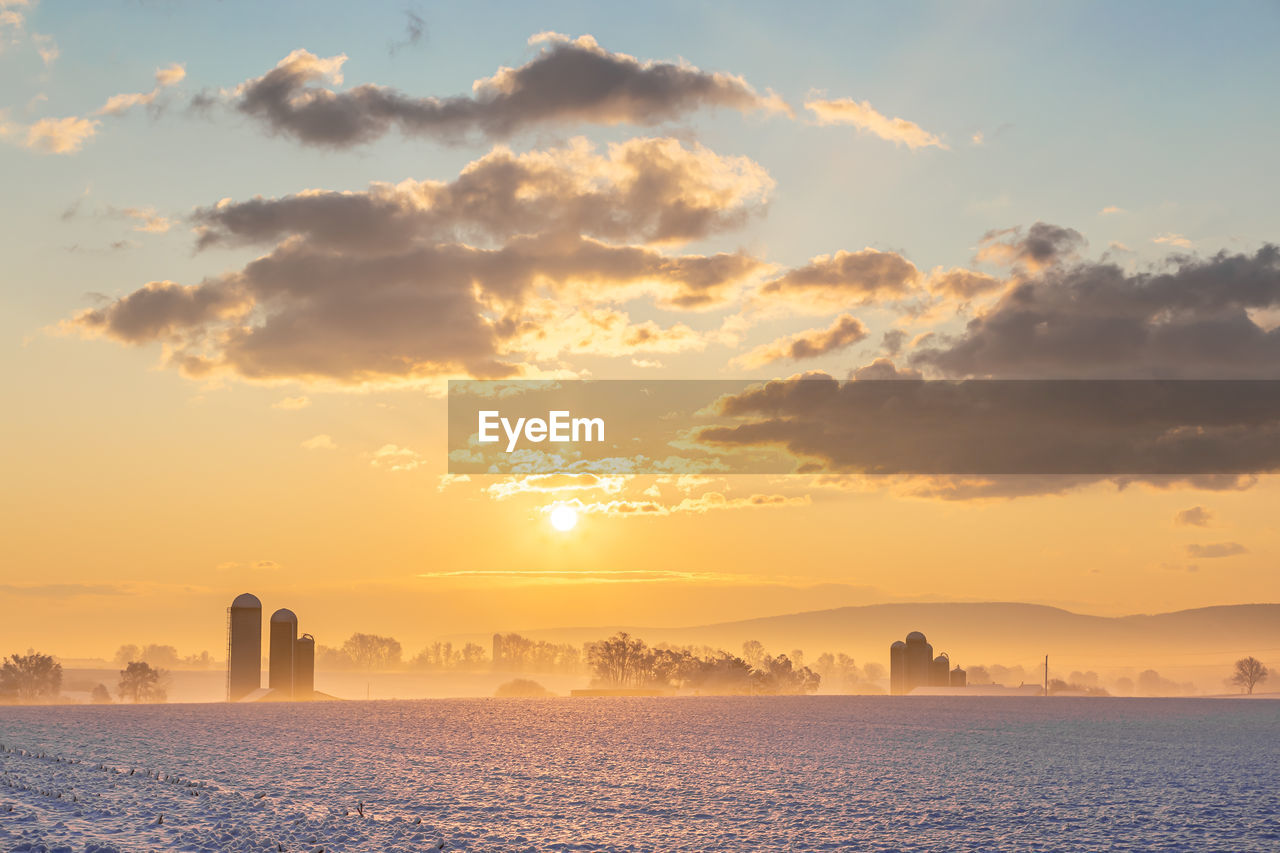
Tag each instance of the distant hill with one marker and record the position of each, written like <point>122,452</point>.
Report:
<point>996,632</point>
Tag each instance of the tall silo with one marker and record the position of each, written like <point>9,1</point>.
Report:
<point>244,647</point>
<point>940,672</point>
<point>919,658</point>
<point>284,638</point>
<point>898,668</point>
<point>304,667</point>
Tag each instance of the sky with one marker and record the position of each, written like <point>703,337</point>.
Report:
<point>245,247</point>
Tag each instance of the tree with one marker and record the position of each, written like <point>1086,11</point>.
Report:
<point>753,653</point>
<point>139,682</point>
<point>1249,673</point>
<point>158,655</point>
<point>100,695</point>
<point>30,677</point>
<point>619,660</point>
<point>126,653</point>
<point>370,651</point>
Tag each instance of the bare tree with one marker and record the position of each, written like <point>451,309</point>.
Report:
<point>619,660</point>
<point>371,652</point>
<point>30,677</point>
<point>1249,673</point>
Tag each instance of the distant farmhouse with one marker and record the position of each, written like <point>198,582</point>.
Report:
<point>291,675</point>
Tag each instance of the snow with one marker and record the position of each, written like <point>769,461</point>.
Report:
<point>707,774</point>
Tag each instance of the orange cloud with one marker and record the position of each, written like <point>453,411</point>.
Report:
<point>863,116</point>
<point>845,331</point>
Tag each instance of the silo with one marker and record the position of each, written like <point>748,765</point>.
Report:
<point>284,637</point>
<point>959,678</point>
<point>919,658</point>
<point>244,647</point>
<point>940,672</point>
<point>498,654</point>
<point>304,667</point>
<point>898,668</point>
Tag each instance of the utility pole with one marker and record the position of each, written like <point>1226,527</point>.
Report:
<point>1046,675</point>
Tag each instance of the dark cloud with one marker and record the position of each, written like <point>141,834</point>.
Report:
<point>893,341</point>
<point>845,331</point>
<point>965,440</point>
<point>304,311</point>
<point>846,279</point>
<point>415,32</point>
<point>648,190</point>
<point>1094,320</point>
<point>1196,516</point>
<point>1040,246</point>
<point>884,368</point>
<point>569,81</point>
<point>520,259</point>
<point>1216,550</point>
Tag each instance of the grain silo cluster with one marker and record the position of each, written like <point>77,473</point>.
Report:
<point>912,664</point>
<point>291,659</point>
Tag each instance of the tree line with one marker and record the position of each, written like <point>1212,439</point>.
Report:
<point>626,661</point>
<point>36,678</point>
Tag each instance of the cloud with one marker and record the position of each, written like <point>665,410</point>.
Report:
<point>1058,435</point>
<point>292,404</point>
<point>68,135</point>
<point>381,287</point>
<point>319,442</point>
<point>1216,550</point>
<point>558,483</point>
<point>415,32</point>
<point>845,331</point>
<point>1194,318</point>
<point>62,590</point>
<point>704,503</point>
<point>547,329</point>
<point>865,117</point>
<point>882,369</point>
<point>392,457</point>
<point>893,340</point>
<point>655,191</point>
<point>1110,210</point>
<point>570,81</point>
<point>46,47</point>
<point>57,135</point>
<point>13,21</point>
<point>1041,246</point>
<point>960,284</point>
<point>1176,240</point>
<point>117,105</point>
<point>844,279</point>
<point>1196,516</point>
<point>148,220</point>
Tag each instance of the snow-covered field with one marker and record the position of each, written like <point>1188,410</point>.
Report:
<point>706,774</point>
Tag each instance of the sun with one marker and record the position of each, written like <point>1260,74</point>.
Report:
<point>564,518</point>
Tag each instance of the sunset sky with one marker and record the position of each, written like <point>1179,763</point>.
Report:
<point>245,246</point>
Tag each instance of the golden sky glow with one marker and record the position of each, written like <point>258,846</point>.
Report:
<point>236,286</point>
